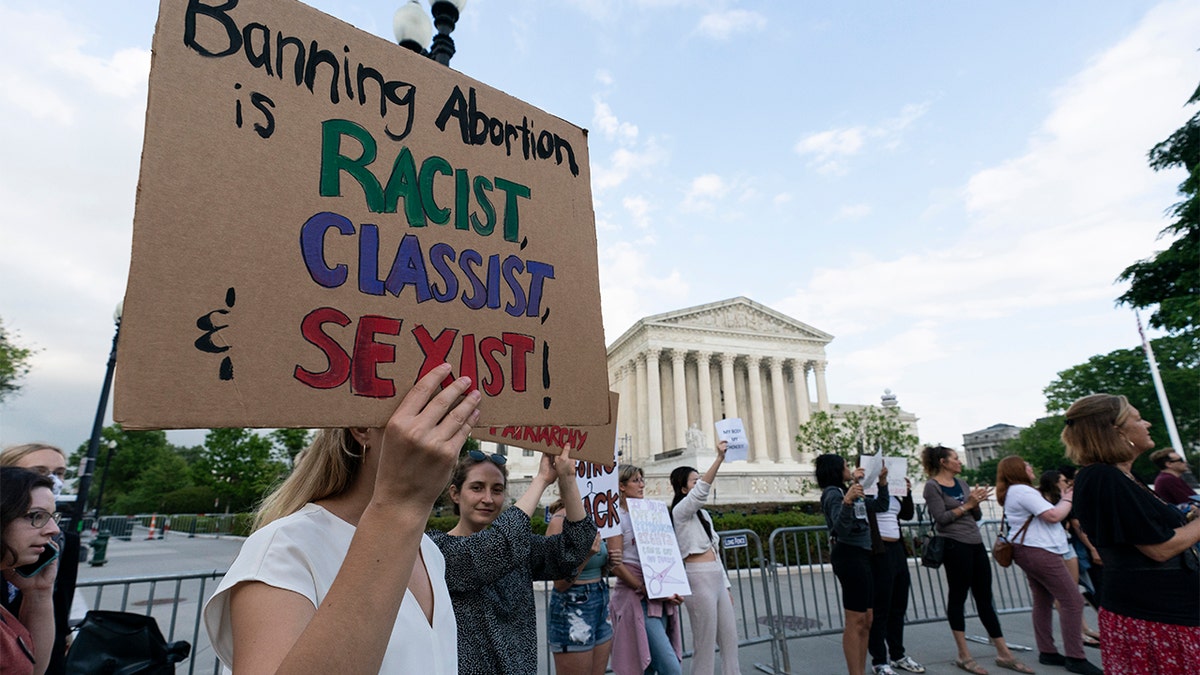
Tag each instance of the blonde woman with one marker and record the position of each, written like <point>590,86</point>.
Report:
<point>338,576</point>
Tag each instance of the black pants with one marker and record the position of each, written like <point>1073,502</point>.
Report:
<point>890,570</point>
<point>968,569</point>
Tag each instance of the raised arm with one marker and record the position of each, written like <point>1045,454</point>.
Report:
<point>695,499</point>
<point>37,612</point>
<point>279,631</point>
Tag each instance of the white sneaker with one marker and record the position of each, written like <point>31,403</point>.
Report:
<point>883,669</point>
<point>908,664</point>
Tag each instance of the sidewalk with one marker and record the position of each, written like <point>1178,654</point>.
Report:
<point>929,643</point>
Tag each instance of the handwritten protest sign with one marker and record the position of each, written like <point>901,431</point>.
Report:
<point>588,443</point>
<point>733,432</point>
<point>323,216</point>
<point>600,488</point>
<point>658,550</point>
<point>897,468</point>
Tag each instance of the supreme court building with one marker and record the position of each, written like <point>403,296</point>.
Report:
<point>679,372</point>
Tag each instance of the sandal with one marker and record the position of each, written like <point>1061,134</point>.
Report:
<point>1013,664</point>
<point>1089,641</point>
<point>1092,634</point>
<point>970,666</point>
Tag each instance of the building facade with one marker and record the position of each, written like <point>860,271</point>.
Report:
<point>983,445</point>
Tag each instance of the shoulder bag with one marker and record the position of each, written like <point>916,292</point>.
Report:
<point>1002,549</point>
<point>933,549</point>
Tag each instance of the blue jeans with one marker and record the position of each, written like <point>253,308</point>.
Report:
<point>662,653</point>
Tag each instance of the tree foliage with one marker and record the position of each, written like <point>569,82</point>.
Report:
<point>121,460</point>
<point>14,363</point>
<point>1170,281</point>
<point>1127,372</point>
<point>857,432</point>
<point>240,466</point>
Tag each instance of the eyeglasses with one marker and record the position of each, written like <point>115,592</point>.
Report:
<point>39,518</point>
<point>497,459</point>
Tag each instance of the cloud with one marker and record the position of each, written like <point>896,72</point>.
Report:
<point>704,191</point>
<point>830,149</point>
<point>853,212</point>
<point>630,157</point>
<point>628,282</point>
<point>608,124</point>
<point>639,210</point>
<point>725,24</point>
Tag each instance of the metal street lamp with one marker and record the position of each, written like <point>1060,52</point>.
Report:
<point>85,481</point>
<point>414,30</point>
<point>112,445</point>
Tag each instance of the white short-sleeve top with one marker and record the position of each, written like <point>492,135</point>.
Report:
<point>303,553</point>
<point>1024,502</point>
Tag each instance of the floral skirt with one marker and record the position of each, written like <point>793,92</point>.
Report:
<point>1135,647</point>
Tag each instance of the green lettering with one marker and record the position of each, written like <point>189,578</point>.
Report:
<point>429,167</point>
<point>482,187</point>
<point>512,190</point>
<point>333,162</point>
<point>403,183</point>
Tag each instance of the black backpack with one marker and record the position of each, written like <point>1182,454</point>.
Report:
<point>122,643</point>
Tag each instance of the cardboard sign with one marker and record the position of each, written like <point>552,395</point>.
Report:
<point>588,443</point>
<point>323,216</point>
<point>599,485</point>
<point>897,469</point>
<point>733,432</point>
<point>658,550</point>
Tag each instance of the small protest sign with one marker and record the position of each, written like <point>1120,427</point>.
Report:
<point>600,488</point>
<point>897,469</point>
<point>658,550</point>
<point>323,216</point>
<point>733,432</point>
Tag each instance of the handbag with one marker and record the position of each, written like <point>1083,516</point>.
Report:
<point>1002,549</point>
<point>122,643</point>
<point>933,549</point>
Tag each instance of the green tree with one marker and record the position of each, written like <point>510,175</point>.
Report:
<point>1171,279</point>
<point>240,466</point>
<point>984,474</point>
<point>14,363</point>
<point>132,453</point>
<point>1040,444</point>
<point>1126,371</point>
<point>167,473</point>
<point>865,431</point>
<point>289,443</point>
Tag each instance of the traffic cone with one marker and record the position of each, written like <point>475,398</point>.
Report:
<point>153,525</point>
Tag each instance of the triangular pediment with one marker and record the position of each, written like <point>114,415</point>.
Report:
<point>738,315</point>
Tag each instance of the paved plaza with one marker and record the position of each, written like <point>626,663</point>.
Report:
<point>929,643</point>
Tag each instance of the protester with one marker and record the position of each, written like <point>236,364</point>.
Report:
<point>1150,595</point>
<point>845,512</point>
<point>337,577</point>
<point>710,606</point>
<point>954,509</point>
<point>1091,567</point>
<point>889,567</point>
<point>1052,485</point>
<point>1038,550</point>
<point>647,637</point>
<point>578,627</point>
<point>1169,484</point>
<point>493,557</point>
<point>28,523</point>
<point>51,462</point>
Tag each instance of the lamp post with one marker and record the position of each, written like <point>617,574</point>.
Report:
<point>112,445</point>
<point>414,30</point>
<point>85,481</point>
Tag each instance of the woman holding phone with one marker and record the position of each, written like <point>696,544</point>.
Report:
<point>28,561</point>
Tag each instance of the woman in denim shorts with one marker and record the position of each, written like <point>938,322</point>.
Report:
<point>578,627</point>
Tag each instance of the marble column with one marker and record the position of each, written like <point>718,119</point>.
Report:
<point>627,410</point>
<point>704,381</point>
<point>654,405</point>
<point>641,435</point>
<point>679,382</point>
<point>727,384</point>
<point>822,397</point>
<point>783,440</point>
<point>800,382</point>
<point>758,430</point>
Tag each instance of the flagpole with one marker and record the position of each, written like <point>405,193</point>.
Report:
<point>1168,416</point>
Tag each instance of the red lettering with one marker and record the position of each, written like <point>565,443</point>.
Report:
<point>522,345</point>
<point>467,363</point>
<point>368,354</point>
<point>338,359</point>
<point>436,350</point>
<point>488,347</point>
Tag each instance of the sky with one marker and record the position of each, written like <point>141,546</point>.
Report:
<point>949,189</point>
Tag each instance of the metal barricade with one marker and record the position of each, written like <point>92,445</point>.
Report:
<point>173,600</point>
